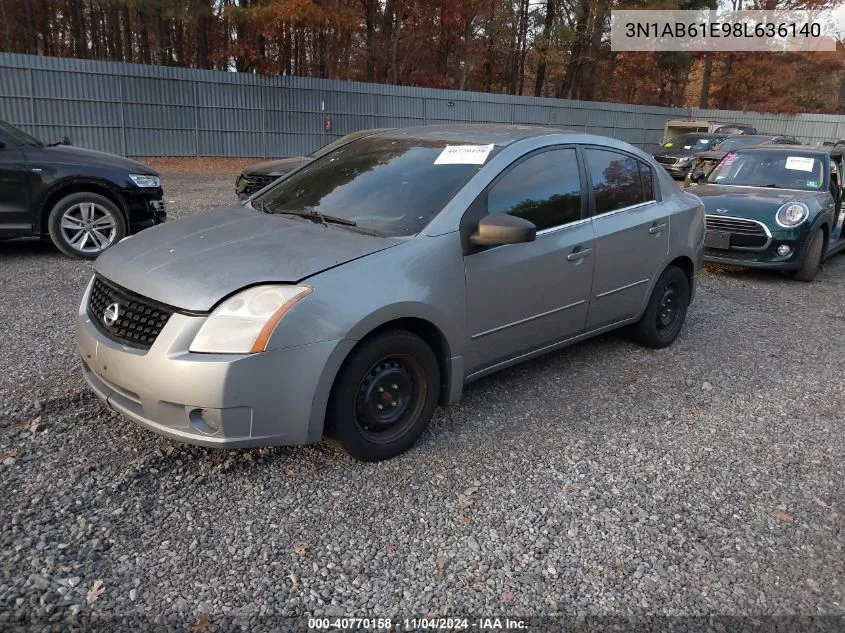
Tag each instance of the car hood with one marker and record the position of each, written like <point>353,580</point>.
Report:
<point>755,203</point>
<point>674,152</point>
<point>276,167</point>
<point>69,155</point>
<point>194,262</point>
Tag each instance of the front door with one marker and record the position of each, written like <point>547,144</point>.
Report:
<point>521,297</point>
<point>632,234</point>
<point>15,218</point>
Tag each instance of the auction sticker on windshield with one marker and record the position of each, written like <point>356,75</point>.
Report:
<point>800,163</point>
<point>464,155</point>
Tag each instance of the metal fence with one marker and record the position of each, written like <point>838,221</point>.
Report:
<point>139,110</point>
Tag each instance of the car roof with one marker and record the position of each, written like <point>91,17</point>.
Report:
<point>812,149</point>
<point>478,133</point>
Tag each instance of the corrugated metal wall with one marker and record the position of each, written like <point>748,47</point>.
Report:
<point>139,110</point>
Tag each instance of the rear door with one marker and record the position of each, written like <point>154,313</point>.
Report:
<point>521,297</point>
<point>632,233</point>
<point>15,219</point>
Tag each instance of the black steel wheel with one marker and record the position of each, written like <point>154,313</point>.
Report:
<point>384,396</point>
<point>666,310</point>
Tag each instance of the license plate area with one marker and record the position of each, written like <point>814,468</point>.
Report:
<point>718,239</point>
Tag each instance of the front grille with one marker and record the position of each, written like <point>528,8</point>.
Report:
<point>747,234</point>
<point>666,160</point>
<point>139,320</point>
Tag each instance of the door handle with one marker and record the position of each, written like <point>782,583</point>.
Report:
<point>657,228</point>
<point>574,256</point>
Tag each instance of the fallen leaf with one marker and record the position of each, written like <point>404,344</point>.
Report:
<point>572,489</point>
<point>508,597</point>
<point>441,566</point>
<point>31,425</point>
<point>390,549</point>
<point>464,520</point>
<point>782,516</point>
<point>294,580</point>
<point>202,623</point>
<point>301,549</point>
<point>12,453</point>
<point>464,501</point>
<point>95,591</point>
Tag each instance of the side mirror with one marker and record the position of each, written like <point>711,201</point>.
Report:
<point>501,228</point>
<point>698,176</point>
<point>64,141</point>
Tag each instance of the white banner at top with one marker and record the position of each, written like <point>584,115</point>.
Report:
<point>721,30</point>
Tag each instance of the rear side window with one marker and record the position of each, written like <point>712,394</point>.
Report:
<point>616,178</point>
<point>544,189</point>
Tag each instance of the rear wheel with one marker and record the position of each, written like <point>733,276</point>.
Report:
<point>85,224</point>
<point>813,259</point>
<point>666,310</point>
<point>384,396</point>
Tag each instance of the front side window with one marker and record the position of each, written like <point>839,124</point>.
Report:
<point>544,189</point>
<point>617,182</point>
<point>695,142</point>
<point>19,135</point>
<point>735,142</point>
<point>392,186</point>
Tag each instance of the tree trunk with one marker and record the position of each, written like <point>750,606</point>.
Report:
<point>370,16</point>
<point>704,98</point>
<point>128,43</point>
<point>7,34</point>
<point>145,38</point>
<point>544,49</point>
<point>77,25</point>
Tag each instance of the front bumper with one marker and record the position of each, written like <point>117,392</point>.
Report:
<point>216,400</point>
<point>144,208</point>
<point>767,258</point>
<point>677,171</point>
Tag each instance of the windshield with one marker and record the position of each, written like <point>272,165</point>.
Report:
<point>19,136</point>
<point>696,142</point>
<point>735,142</point>
<point>393,186</point>
<point>770,169</point>
<point>338,142</point>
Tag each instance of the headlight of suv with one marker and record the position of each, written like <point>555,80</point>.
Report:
<point>242,324</point>
<point>792,214</point>
<point>143,180</point>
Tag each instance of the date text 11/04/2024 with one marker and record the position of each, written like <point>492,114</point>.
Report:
<point>722,29</point>
<point>418,624</point>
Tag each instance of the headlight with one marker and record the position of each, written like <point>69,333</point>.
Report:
<point>792,214</point>
<point>243,323</point>
<point>143,180</point>
<point>684,161</point>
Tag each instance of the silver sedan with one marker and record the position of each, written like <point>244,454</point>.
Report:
<point>366,287</point>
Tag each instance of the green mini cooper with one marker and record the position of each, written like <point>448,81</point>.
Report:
<point>774,207</point>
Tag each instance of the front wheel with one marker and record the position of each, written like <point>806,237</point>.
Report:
<point>666,310</point>
<point>384,396</point>
<point>813,259</point>
<point>85,224</point>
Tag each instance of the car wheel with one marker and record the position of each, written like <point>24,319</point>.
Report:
<point>813,260</point>
<point>85,224</point>
<point>666,310</point>
<point>384,396</point>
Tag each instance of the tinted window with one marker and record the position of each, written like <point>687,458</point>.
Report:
<point>740,141</point>
<point>544,189</point>
<point>390,185</point>
<point>19,135</point>
<point>648,182</point>
<point>616,179</point>
<point>696,142</point>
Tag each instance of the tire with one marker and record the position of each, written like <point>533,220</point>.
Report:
<point>397,362</point>
<point>85,224</point>
<point>813,260</point>
<point>666,310</point>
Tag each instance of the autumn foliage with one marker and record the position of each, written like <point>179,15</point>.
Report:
<point>555,48</point>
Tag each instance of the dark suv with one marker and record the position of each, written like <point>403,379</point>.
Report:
<point>83,200</point>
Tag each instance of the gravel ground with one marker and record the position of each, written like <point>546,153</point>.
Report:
<point>604,480</point>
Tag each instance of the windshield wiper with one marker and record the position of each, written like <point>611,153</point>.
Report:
<point>316,216</point>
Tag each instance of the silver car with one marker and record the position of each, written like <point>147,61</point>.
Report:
<point>357,293</point>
